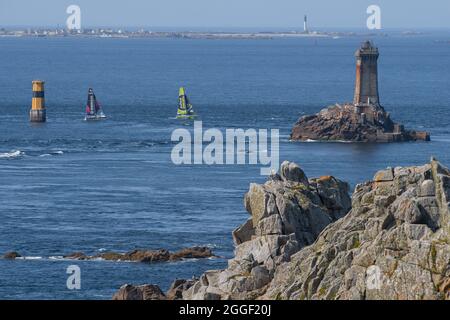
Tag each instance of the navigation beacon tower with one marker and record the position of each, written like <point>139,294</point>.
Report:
<point>37,112</point>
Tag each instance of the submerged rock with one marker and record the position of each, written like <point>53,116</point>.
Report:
<point>192,253</point>
<point>11,255</point>
<point>77,256</point>
<point>147,256</point>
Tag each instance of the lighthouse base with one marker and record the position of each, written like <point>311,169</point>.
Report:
<point>353,123</point>
<point>38,115</point>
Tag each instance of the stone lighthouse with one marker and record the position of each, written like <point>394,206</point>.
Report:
<point>366,86</point>
<point>364,120</point>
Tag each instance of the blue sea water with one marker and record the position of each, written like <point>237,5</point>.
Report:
<point>68,185</point>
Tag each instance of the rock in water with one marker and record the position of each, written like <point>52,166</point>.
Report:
<point>393,244</point>
<point>147,256</point>
<point>11,255</point>
<point>288,212</point>
<point>77,256</point>
<point>364,120</point>
<point>353,123</point>
<point>192,253</point>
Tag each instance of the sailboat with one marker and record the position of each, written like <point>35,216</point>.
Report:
<point>185,110</point>
<point>93,109</point>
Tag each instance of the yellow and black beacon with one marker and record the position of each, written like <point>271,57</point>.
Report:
<point>38,112</point>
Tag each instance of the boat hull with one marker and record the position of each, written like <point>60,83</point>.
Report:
<point>94,118</point>
<point>186,116</point>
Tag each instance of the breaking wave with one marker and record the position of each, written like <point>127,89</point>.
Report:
<point>54,153</point>
<point>12,154</point>
<point>18,154</point>
<point>56,258</point>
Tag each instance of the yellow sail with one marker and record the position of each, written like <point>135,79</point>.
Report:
<point>184,107</point>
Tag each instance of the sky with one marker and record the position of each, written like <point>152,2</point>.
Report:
<point>412,14</point>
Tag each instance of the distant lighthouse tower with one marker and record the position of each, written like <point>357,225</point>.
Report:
<point>366,86</point>
<point>305,24</point>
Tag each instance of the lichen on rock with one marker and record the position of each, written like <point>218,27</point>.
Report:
<point>394,244</point>
<point>288,212</point>
<point>307,239</point>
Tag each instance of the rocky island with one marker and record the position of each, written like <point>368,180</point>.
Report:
<point>364,120</point>
<point>137,255</point>
<point>307,239</point>
<point>147,256</point>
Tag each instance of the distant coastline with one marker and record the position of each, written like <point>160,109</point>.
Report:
<point>141,33</point>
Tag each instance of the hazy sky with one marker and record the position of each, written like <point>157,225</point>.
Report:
<point>227,13</point>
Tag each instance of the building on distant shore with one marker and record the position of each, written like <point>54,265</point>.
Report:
<point>305,24</point>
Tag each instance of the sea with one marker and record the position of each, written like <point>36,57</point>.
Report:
<point>74,186</point>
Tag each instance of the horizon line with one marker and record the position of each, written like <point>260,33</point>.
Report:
<point>262,28</point>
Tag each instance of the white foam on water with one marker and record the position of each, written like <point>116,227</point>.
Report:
<point>100,259</point>
<point>208,245</point>
<point>12,154</point>
<point>29,258</point>
<point>324,141</point>
<point>52,153</point>
<point>62,258</point>
<point>56,258</point>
